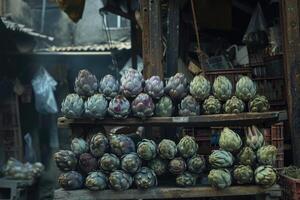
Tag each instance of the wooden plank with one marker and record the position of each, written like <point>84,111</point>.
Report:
<point>242,119</point>
<point>163,193</point>
<point>173,37</point>
<point>145,33</point>
<point>291,32</point>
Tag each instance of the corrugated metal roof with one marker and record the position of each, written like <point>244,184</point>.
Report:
<point>91,48</point>
<point>10,25</point>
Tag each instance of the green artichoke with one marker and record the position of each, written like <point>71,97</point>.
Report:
<point>96,106</point>
<point>177,86</point>
<point>243,174</point>
<point>200,87</point>
<point>131,163</point>
<point>187,147</point>
<point>186,180</point>
<point>96,181</point>
<point>265,176</point>
<point>164,107</point>
<point>177,166</point>
<point>229,140</point>
<point>212,105</point>
<point>196,164</point>
<point>72,106</point>
<point>189,107</point>
<point>222,88</point>
<point>246,156</point>
<point>266,155</point>
<point>220,159</point>
<point>109,162</point>
<point>99,145</point>
<point>259,104</point>
<point>65,160</point>
<point>219,178</point>
<point>121,144</point>
<point>158,165</point>
<point>146,149</point>
<point>87,163</point>
<point>167,149</point>
<point>145,178</point>
<point>71,180</point>
<point>79,146</point>
<point>119,180</point>
<point>86,84</point>
<point>254,138</point>
<point>234,105</point>
<point>245,89</point>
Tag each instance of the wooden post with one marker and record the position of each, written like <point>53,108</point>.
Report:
<point>133,44</point>
<point>152,40</point>
<point>173,37</point>
<point>290,23</point>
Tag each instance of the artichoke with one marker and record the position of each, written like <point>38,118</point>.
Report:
<point>119,180</point>
<point>146,149</point>
<point>234,105</point>
<point>219,178</point>
<point>65,160</point>
<point>96,181</point>
<point>72,106</point>
<point>259,104</point>
<point>196,164</point>
<point>145,178</point>
<point>87,163</point>
<point>212,105</point>
<point>187,147</point>
<point>158,165</point>
<point>119,107</point>
<point>246,156</point>
<point>96,106</point>
<point>167,149</point>
<point>229,140</point>
<point>154,87</point>
<point>177,166</point>
<point>254,138</point>
<point>109,86</point>
<point>142,106</point>
<point>245,89</point>
<point>222,88</point>
<point>164,107</point>
<point>189,107</point>
<point>121,144</point>
<point>266,155</point>
<point>79,146</point>
<point>186,180</point>
<point>71,180</point>
<point>109,162</point>
<point>243,174</point>
<point>200,87</point>
<point>37,169</point>
<point>177,86</point>
<point>131,83</point>
<point>99,145</point>
<point>265,176</point>
<point>220,159</point>
<point>86,84</point>
<point>131,163</point>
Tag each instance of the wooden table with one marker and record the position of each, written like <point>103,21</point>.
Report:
<point>272,193</point>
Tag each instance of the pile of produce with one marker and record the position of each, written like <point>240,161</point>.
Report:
<point>116,162</point>
<point>242,163</point>
<point>134,96</point>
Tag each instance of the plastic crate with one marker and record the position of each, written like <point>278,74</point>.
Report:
<point>290,188</point>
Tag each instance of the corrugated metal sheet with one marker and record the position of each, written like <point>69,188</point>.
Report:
<point>10,25</point>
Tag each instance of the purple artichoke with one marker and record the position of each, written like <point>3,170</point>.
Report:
<point>177,86</point>
<point>189,107</point>
<point>142,106</point>
<point>154,87</point>
<point>131,83</point>
<point>109,86</point>
<point>121,145</point>
<point>87,163</point>
<point>86,84</point>
<point>71,180</point>
<point>119,107</point>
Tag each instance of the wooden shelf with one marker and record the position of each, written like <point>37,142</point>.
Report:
<point>268,78</point>
<point>243,119</point>
<point>167,193</point>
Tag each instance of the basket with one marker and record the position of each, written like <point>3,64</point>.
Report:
<point>290,188</point>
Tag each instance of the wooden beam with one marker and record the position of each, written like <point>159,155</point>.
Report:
<point>145,34</point>
<point>173,37</point>
<point>290,22</point>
